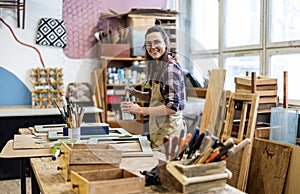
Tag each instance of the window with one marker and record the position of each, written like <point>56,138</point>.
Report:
<point>261,36</point>
<point>237,67</point>
<point>242,23</point>
<point>290,63</point>
<point>205,32</point>
<point>284,20</point>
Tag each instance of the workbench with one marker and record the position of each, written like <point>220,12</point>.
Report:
<point>13,118</point>
<point>49,179</point>
<point>46,178</point>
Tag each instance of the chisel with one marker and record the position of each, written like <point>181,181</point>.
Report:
<point>166,145</point>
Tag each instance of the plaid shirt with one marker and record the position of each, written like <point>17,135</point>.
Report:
<point>173,86</point>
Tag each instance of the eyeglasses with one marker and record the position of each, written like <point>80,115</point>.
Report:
<point>155,43</point>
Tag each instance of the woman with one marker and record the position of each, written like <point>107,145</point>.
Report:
<point>167,95</point>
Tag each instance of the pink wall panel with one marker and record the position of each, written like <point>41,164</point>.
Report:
<point>82,21</point>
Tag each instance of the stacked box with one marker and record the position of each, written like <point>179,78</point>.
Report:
<point>264,86</point>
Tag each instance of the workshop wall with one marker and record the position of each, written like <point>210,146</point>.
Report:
<point>76,59</point>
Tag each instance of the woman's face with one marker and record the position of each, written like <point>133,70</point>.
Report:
<point>155,45</point>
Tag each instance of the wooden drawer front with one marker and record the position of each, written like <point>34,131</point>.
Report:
<point>107,181</point>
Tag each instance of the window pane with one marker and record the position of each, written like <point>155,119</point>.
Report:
<point>202,67</point>
<point>284,20</point>
<point>289,63</point>
<point>237,67</point>
<point>204,25</point>
<point>242,22</point>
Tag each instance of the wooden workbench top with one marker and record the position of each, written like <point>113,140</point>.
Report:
<point>51,181</point>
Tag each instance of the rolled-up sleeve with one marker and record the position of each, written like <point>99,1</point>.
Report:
<point>173,88</point>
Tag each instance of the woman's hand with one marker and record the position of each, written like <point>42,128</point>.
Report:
<point>130,90</point>
<point>131,108</point>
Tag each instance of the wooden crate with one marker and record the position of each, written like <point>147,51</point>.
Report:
<point>90,154</point>
<point>66,170</point>
<point>194,178</point>
<point>107,181</point>
<point>86,157</point>
<point>265,87</point>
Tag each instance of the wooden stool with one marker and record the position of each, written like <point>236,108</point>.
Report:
<point>239,163</point>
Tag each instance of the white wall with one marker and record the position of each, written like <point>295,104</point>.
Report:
<point>19,59</point>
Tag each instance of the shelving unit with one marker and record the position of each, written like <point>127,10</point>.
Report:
<point>114,93</point>
<point>139,23</point>
<point>47,85</point>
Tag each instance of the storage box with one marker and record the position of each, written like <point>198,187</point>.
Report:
<point>66,169</point>
<point>194,178</point>
<point>91,155</point>
<point>113,50</point>
<point>264,86</point>
<point>107,181</point>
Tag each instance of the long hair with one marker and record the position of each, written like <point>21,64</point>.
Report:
<point>153,65</point>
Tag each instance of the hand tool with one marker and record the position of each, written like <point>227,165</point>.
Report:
<point>173,147</point>
<point>209,151</point>
<point>195,137</point>
<point>185,145</point>
<point>216,155</point>
<point>198,143</point>
<point>55,152</point>
<point>166,145</point>
<point>180,141</point>
<point>237,148</point>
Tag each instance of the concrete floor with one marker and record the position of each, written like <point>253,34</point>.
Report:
<point>14,186</point>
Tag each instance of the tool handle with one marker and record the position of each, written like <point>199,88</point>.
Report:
<point>173,147</point>
<point>198,143</point>
<point>56,154</point>
<point>166,145</point>
<point>240,146</point>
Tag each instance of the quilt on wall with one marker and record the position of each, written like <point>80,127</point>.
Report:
<point>51,32</point>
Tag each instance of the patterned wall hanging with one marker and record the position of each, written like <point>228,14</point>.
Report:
<point>51,32</point>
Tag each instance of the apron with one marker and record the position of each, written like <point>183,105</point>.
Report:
<point>160,126</point>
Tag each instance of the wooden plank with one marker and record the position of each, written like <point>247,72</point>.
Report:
<point>260,80</point>
<point>97,80</point>
<point>9,152</point>
<point>269,166</point>
<point>258,88</point>
<point>261,93</point>
<point>293,178</point>
<point>267,100</point>
<point>31,142</point>
<point>212,100</point>
<point>196,92</point>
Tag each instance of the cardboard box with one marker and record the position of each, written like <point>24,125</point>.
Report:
<point>113,50</point>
